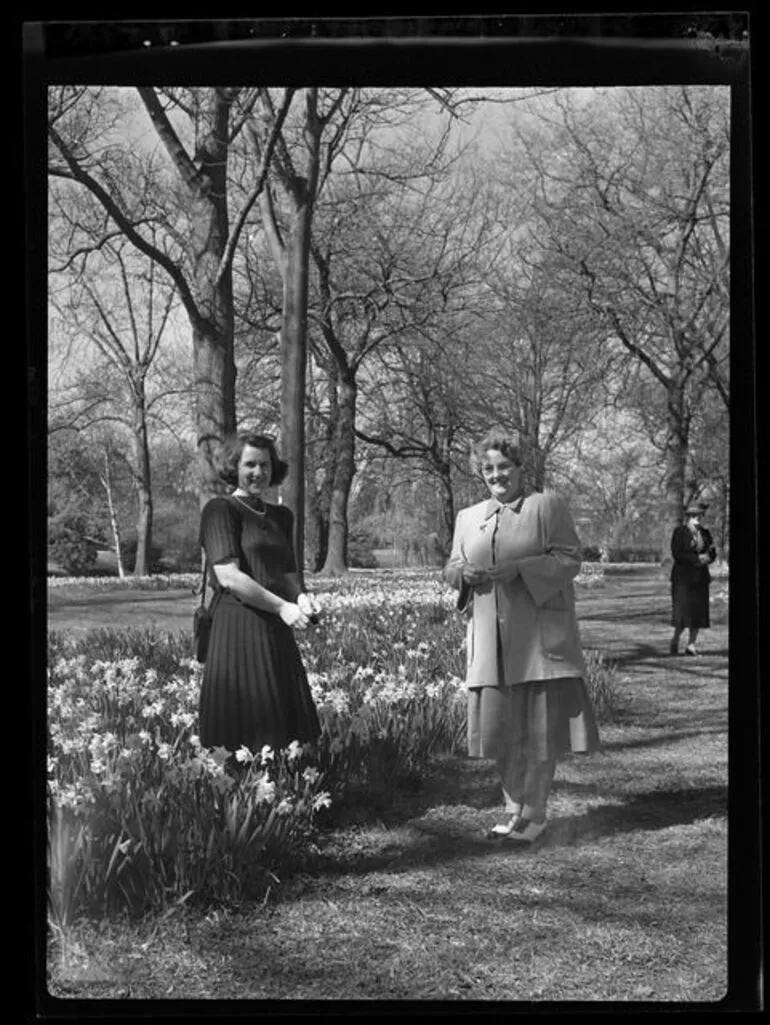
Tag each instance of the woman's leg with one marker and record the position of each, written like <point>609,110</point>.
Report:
<point>537,787</point>
<point>512,767</point>
<point>675,639</point>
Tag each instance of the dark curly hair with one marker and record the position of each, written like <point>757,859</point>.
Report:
<point>500,439</point>
<point>231,456</point>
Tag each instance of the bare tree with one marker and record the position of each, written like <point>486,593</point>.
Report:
<point>633,195</point>
<point>121,303</point>
<point>196,128</point>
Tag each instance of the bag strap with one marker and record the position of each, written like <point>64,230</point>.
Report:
<point>201,589</point>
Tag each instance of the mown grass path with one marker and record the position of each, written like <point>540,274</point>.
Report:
<point>623,899</point>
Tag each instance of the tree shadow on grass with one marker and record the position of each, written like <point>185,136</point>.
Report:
<point>663,738</point>
<point>443,838</point>
<point>653,810</point>
<point>676,663</point>
<point>639,653</point>
<point>677,724</point>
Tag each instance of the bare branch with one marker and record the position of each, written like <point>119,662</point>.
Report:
<point>265,159</point>
<point>189,173</point>
<point>129,229</point>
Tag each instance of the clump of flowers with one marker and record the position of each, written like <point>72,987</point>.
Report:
<point>140,814</point>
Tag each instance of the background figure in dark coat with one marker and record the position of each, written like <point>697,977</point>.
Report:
<point>693,550</point>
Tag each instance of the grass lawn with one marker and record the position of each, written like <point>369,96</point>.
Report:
<point>623,899</point>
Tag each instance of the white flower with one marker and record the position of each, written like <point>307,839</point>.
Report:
<point>294,750</point>
<point>266,754</point>
<point>310,774</point>
<point>220,755</point>
<point>185,719</point>
<point>285,806</point>
<point>243,755</point>
<point>322,800</point>
<point>265,791</point>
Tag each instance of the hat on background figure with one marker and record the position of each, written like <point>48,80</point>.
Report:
<point>695,508</point>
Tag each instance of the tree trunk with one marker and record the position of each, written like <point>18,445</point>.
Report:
<point>143,483</point>
<point>676,451</point>
<point>213,326</point>
<point>294,332</point>
<point>214,372</point>
<point>106,480</point>
<point>317,533</point>
<point>293,373</point>
<point>446,497</point>
<point>336,562</point>
<point>724,520</point>
<point>677,445</point>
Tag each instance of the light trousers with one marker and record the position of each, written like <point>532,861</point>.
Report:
<point>526,783</point>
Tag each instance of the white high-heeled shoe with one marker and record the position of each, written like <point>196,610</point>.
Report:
<point>503,829</point>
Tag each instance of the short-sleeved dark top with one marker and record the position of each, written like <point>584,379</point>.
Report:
<point>259,537</point>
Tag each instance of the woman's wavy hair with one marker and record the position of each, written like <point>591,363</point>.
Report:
<point>231,456</point>
<point>500,439</point>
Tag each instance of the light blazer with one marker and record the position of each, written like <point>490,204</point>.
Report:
<point>533,611</point>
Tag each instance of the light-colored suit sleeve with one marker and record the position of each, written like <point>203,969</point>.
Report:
<point>453,569</point>
<point>547,574</point>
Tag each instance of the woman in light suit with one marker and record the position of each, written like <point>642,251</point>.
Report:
<point>514,556</point>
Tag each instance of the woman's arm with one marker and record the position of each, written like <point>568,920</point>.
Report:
<point>682,548</point>
<point>546,574</point>
<point>251,593</point>
<point>711,550</point>
<point>453,571</point>
<point>459,572</point>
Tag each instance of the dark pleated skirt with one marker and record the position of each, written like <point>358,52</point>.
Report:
<point>254,690</point>
<point>547,718</point>
<point>690,604</point>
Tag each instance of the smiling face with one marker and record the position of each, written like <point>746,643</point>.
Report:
<point>501,475</point>
<point>254,470</point>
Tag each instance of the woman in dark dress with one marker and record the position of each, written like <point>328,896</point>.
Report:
<point>693,550</point>
<point>254,690</point>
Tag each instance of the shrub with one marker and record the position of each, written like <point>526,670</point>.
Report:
<point>361,550</point>
<point>182,556</point>
<point>175,528</point>
<point>591,553</point>
<point>634,553</point>
<point>140,814</point>
<point>128,553</point>
<point>68,544</point>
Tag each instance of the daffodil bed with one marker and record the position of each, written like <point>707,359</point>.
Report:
<point>141,816</point>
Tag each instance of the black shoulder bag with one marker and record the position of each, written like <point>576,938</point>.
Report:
<point>202,620</point>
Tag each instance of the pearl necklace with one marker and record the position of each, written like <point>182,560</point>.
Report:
<point>257,512</point>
